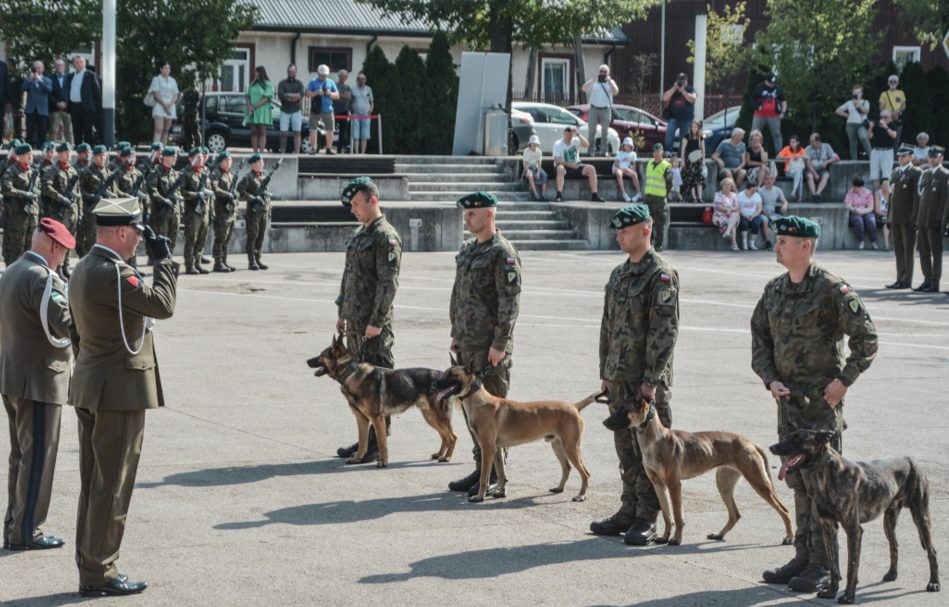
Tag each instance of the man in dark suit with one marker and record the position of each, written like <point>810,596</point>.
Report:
<point>85,98</point>
<point>4,84</point>
<point>60,123</point>
<point>37,88</point>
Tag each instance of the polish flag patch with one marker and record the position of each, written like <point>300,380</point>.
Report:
<point>133,281</point>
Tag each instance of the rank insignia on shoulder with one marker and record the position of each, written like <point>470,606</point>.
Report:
<point>512,277</point>
<point>665,296</point>
<point>510,261</point>
<point>854,306</point>
<point>665,277</point>
<point>133,281</point>
<point>844,289</point>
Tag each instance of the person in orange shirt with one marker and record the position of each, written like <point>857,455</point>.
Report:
<point>795,161</point>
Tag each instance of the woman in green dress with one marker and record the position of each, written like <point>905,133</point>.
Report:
<point>259,109</point>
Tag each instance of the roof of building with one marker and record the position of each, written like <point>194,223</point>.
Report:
<point>352,17</point>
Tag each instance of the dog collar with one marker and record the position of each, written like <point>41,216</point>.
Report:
<point>474,388</point>
<point>351,368</point>
<point>649,415</point>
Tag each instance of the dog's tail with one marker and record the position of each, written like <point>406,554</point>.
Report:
<point>586,401</point>
<point>764,460</point>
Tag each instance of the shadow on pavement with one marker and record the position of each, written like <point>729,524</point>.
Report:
<point>50,600</point>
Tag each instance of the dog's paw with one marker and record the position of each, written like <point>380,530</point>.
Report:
<point>715,536</point>
<point>932,587</point>
<point>556,489</point>
<point>788,541</point>
<point>437,456</point>
<point>476,499</point>
<point>890,576</point>
<point>498,493</point>
<point>827,593</point>
<point>675,541</point>
<point>846,599</point>
<point>662,540</point>
<point>444,459</point>
<point>354,460</point>
<point>382,464</point>
<point>579,498</point>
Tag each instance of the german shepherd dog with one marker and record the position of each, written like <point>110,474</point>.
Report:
<point>499,423</point>
<point>671,456</point>
<point>852,493</point>
<point>373,393</point>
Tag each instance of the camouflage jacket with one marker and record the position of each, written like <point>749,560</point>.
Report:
<point>125,184</point>
<point>486,297</point>
<point>159,183</point>
<point>192,190</point>
<point>640,321</point>
<point>797,332</point>
<point>54,191</point>
<point>225,207</point>
<point>248,188</point>
<point>933,197</point>
<point>371,276</point>
<point>14,185</point>
<point>904,196</point>
<point>91,179</point>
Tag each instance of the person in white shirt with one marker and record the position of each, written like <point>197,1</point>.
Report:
<point>774,204</point>
<point>567,161</point>
<point>533,173</point>
<point>750,216</point>
<point>625,165</point>
<point>855,110</point>
<point>600,92</point>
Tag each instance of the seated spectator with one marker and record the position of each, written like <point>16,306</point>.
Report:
<point>625,165</point>
<point>819,158</point>
<point>859,201</point>
<point>751,218</point>
<point>756,158</point>
<point>795,163</point>
<point>533,173</point>
<point>855,110</point>
<point>730,156</point>
<point>692,152</point>
<point>921,151</point>
<point>726,214</point>
<point>773,204</point>
<point>566,155</point>
<point>883,136</point>
<point>881,208</point>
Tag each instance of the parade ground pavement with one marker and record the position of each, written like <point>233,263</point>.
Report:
<point>240,499</point>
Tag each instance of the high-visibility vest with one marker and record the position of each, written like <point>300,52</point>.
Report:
<point>656,178</point>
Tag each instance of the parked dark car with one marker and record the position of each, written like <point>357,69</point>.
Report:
<point>628,121</point>
<point>718,127</point>
<point>224,126</point>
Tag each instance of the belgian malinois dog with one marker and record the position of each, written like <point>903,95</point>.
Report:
<point>671,456</point>
<point>373,393</point>
<point>500,423</point>
<point>852,493</point>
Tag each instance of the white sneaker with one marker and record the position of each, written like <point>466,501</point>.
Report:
<point>860,246</point>
<point>626,197</point>
<point>875,246</point>
<point>744,245</point>
<point>637,197</point>
<point>753,245</point>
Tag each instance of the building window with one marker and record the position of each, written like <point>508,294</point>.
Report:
<point>555,79</point>
<point>235,73</point>
<point>338,58</point>
<point>905,54</point>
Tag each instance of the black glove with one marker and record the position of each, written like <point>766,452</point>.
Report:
<point>168,203</point>
<point>29,195</point>
<point>158,247</point>
<point>65,199</point>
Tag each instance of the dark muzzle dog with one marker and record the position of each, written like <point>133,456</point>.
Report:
<point>852,493</point>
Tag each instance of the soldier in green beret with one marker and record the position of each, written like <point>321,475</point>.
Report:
<point>257,212</point>
<point>225,210</point>
<point>797,349</point>
<point>21,211</point>
<point>370,280</point>
<point>83,156</point>
<point>198,200</point>
<point>637,337</point>
<point>485,301</point>
<point>61,192</point>
<point>165,196</point>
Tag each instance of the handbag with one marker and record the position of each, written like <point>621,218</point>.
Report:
<point>707,216</point>
<point>149,99</point>
<point>695,156</point>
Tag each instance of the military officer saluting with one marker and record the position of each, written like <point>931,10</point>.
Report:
<point>165,197</point>
<point>94,184</point>
<point>797,349</point>
<point>638,334</point>
<point>61,191</point>
<point>367,292</point>
<point>485,301</point>
<point>35,356</point>
<point>224,210</point>
<point>256,212</point>
<point>901,216</point>
<point>21,211</point>
<point>932,218</point>
<point>114,382</point>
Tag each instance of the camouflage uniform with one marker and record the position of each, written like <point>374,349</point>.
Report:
<point>637,337</point>
<point>225,211</point>
<point>20,212</point>
<point>90,180</point>
<point>125,184</point>
<point>256,214</point>
<point>797,333</point>
<point>46,172</point>
<point>63,207</point>
<point>485,301</point>
<point>164,220</point>
<point>931,219</point>
<point>195,217</point>
<point>370,280</point>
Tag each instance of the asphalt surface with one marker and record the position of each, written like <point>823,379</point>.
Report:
<point>240,500</point>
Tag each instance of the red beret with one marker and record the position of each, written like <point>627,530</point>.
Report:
<point>57,232</point>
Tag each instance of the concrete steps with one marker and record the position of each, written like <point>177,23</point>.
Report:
<point>472,186</point>
<point>453,177</point>
<point>452,196</point>
<point>441,168</point>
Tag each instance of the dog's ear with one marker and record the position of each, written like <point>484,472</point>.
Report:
<point>454,361</point>
<point>335,343</point>
<point>824,437</point>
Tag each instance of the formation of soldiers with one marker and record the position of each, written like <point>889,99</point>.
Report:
<point>199,197</point>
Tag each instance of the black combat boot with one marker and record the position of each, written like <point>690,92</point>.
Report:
<point>616,524</point>
<point>226,265</point>
<point>465,484</point>
<point>201,269</point>
<point>814,578</point>
<point>252,262</point>
<point>189,268</point>
<point>261,264</point>
<point>220,267</point>
<point>492,484</point>
<point>640,533</point>
<point>784,573</point>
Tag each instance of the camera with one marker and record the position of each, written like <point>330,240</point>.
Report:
<point>601,78</point>
<point>856,96</point>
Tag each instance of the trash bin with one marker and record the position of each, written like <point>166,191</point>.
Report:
<point>495,132</point>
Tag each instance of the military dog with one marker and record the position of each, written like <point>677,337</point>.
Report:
<point>500,423</point>
<point>670,456</point>
<point>373,393</point>
<point>852,493</point>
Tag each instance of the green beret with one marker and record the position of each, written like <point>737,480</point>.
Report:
<point>222,155</point>
<point>792,225</point>
<point>63,147</point>
<point>254,157</point>
<point>83,147</point>
<point>194,152</point>
<point>359,184</point>
<point>478,200</point>
<point>126,152</point>
<point>23,148</point>
<point>169,151</point>
<point>155,146</point>
<point>121,144</point>
<point>629,216</point>
<point>99,149</point>
<point>205,149</point>
<point>48,145</point>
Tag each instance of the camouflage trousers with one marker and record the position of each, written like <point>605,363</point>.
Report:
<point>813,413</point>
<point>165,223</point>
<point>496,381</point>
<point>17,233</point>
<point>196,236</point>
<point>256,225</point>
<point>659,211</point>
<point>376,351</point>
<point>223,230</point>
<point>638,499</point>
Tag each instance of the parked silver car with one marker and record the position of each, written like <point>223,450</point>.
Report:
<point>548,123</point>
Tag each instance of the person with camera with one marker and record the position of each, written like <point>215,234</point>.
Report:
<point>855,110</point>
<point>883,136</point>
<point>322,92</point>
<point>770,106</point>
<point>678,109</point>
<point>600,92</point>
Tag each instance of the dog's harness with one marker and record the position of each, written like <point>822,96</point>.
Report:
<point>478,382</point>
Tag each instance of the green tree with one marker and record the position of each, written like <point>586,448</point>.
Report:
<point>44,29</point>
<point>928,18</point>
<point>412,85</point>
<point>383,78</point>
<point>919,105</point>
<point>726,54</point>
<point>438,126</point>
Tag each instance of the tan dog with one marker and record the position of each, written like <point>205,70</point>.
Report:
<point>670,456</point>
<point>501,423</point>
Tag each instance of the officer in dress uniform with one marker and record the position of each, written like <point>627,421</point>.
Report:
<point>115,380</point>
<point>256,211</point>
<point>61,191</point>
<point>224,211</point>
<point>21,211</point>
<point>932,218</point>
<point>901,216</point>
<point>35,357</point>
